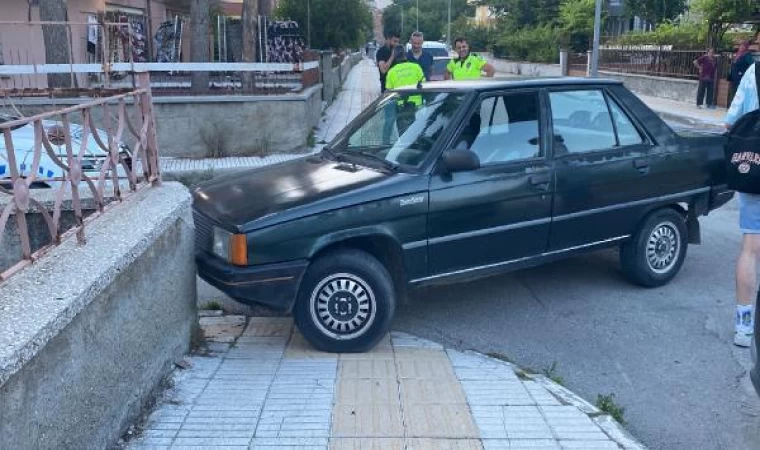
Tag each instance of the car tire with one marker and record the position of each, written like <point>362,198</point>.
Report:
<point>346,302</point>
<point>656,252</point>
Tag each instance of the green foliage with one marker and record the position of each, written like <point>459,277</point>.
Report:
<point>539,44</point>
<point>686,36</point>
<point>551,373</point>
<point>577,24</point>
<point>607,404</point>
<point>479,38</point>
<point>719,15</point>
<point>433,17</point>
<point>335,24</point>
<point>655,11</point>
<point>524,13</point>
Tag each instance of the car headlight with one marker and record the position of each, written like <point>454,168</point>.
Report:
<point>231,247</point>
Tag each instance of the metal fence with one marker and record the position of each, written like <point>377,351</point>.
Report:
<point>659,62</point>
<point>128,157</point>
<point>653,61</point>
<point>112,56</point>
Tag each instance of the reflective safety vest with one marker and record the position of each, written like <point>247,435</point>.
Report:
<point>405,74</point>
<point>468,68</point>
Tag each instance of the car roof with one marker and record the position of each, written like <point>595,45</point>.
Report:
<point>433,44</point>
<point>494,84</point>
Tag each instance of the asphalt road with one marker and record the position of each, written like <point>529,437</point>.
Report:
<point>665,353</point>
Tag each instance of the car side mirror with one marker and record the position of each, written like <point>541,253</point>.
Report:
<point>458,160</point>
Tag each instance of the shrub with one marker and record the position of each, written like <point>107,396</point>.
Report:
<point>539,44</point>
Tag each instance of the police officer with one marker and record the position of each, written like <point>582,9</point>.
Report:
<point>467,66</point>
<point>404,72</point>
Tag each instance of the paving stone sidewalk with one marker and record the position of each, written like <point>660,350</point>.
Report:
<point>270,390</point>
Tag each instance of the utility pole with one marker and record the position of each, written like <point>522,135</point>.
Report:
<point>402,21</point>
<point>448,29</point>
<point>595,49</point>
<point>418,16</point>
<point>308,22</point>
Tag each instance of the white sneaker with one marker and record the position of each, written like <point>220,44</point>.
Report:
<point>743,338</point>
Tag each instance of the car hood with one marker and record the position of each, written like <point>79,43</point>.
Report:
<point>289,190</point>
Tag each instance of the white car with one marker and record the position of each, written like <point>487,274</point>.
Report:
<point>23,145</point>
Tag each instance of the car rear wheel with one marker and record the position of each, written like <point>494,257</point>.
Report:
<point>656,252</point>
<point>346,302</point>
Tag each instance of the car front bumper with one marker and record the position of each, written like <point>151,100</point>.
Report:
<point>272,285</point>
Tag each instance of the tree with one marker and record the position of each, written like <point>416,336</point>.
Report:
<point>721,14</point>
<point>577,23</point>
<point>56,40</point>
<point>200,12</point>
<point>655,11</point>
<point>433,17</point>
<point>524,13</point>
<point>335,24</point>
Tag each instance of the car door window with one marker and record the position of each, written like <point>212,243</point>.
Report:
<point>505,128</point>
<point>582,121</point>
<point>627,132</point>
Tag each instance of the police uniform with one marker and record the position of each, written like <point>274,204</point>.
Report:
<point>406,73</point>
<point>468,68</point>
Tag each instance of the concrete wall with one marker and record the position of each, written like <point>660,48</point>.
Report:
<point>670,88</point>
<point>88,332</point>
<point>334,77</point>
<point>189,126</point>
<point>234,125</point>
<point>525,69</point>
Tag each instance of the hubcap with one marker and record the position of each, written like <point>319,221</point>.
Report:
<point>663,247</point>
<point>343,306</point>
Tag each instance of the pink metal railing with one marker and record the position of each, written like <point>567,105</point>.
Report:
<point>144,157</point>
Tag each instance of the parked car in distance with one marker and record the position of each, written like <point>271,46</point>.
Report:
<point>23,144</point>
<point>438,71</point>
<point>455,181</point>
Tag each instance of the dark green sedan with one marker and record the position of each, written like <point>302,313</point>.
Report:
<point>453,181</point>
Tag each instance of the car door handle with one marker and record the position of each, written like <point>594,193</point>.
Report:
<point>642,165</point>
<point>540,181</point>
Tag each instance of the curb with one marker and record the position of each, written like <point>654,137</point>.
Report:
<point>604,421</point>
<point>692,121</point>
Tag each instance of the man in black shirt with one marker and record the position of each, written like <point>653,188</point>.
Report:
<point>384,57</point>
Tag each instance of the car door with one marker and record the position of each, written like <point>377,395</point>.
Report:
<point>602,168</point>
<point>502,211</point>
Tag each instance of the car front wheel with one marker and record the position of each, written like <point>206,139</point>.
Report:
<point>346,302</point>
<point>656,252</point>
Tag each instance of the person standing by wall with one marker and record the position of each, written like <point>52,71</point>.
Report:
<point>742,60</point>
<point>418,55</point>
<point>745,101</point>
<point>706,65</point>
<point>384,57</point>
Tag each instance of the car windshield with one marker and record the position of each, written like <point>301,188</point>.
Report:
<point>403,128</point>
